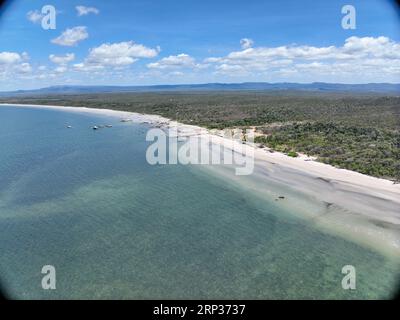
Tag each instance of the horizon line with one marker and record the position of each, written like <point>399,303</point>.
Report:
<point>200,84</point>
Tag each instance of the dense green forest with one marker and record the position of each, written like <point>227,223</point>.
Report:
<point>358,132</point>
<point>367,150</point>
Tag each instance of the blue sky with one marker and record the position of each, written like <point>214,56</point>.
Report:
<point>140,42</point>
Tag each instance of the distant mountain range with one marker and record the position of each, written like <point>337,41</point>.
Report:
<point>257,86</point>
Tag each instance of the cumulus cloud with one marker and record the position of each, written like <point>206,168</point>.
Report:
<point>60,69</point>
<point>23,68</point>
<point>358,55</point>
<point>380,47</point>
<point>179,61</point>
<point>357,59</point>
<point>83,11</point>
<point>62,59</point>
<point>87,68</point>
<point>25,56</point>
<point>228,68</point>
<point>9,58</point>
<point>246,43</point>
<point>34,16</point>
<point>71,37</point>
<point>115,55</point>
<point>13,64</point>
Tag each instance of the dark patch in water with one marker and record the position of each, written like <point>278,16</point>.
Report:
<point>328,204</point>
<point>385,225</point>
<point>324,179</point>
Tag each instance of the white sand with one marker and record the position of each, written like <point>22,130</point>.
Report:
<point>356,206</point>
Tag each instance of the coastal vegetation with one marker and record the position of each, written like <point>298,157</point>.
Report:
<point>373,151</point>
<point>360,132</point>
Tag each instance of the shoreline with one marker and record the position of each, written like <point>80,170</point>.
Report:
<point>302,162</point>
<point>356,206</point>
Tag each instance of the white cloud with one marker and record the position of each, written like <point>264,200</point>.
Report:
<point>246,43</point>
<point>182,60</point>
<point>115,55</point>
<point>82,10</point>
<point>62,59</point>
<point>367,57</point>
<point>34,16</point>
<point>71,37</point>
<point>87,68</point>
<point>381,47</point>
<point>9,57</point>
<point>176,74</point>
<point>25,56</point>
<point>60,69</point>
<point>357,59</point>
<point>13,64</point>
<point>23,68</point>
<point>230,67</point>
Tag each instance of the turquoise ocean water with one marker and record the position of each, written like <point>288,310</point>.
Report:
<point>114,226</point>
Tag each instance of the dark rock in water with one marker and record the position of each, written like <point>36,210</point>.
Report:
<point>281,197</point>
<point>328,204</point>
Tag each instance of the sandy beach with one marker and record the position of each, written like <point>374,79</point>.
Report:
<point>355,206</point>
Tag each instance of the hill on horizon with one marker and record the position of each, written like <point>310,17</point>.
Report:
<point>251,86</point>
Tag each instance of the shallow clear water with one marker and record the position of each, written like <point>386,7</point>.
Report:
<point>88,203</point>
